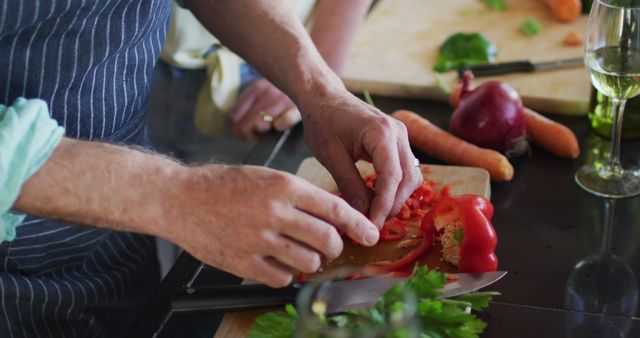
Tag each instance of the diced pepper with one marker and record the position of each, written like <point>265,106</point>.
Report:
<point>393,230</point>
<point>412,256</point>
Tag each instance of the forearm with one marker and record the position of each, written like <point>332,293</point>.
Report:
<point>269,36</point>
<point>101,185</point>
<point>334,27</point>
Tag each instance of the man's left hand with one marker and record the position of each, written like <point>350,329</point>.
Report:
<point>341,129</point>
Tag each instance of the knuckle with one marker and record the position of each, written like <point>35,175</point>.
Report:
<point>280,280</point>
<point>335,207</point>
<point>311,264</point>
<point>386,123</point>
<point>327,236</point>
<point>386,200</point>
<point>272,206</point>
<point>286,182</point>
<point>394,177</point>
<point>413,178</point>
<point>329,242</point>
<point>252,265</point>
<point>401,127</point>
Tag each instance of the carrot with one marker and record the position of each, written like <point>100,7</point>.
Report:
<point>565,10</point>
<point>551,135</point>
<point>572,39</point>
<point>438,143</point>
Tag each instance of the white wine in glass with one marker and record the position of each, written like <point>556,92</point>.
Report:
<point>612,54</point>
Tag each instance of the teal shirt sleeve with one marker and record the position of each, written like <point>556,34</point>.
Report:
<point>180,3</point>
<point>28,136</point>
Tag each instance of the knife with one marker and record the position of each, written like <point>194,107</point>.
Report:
<point>341,295</point>
<point>520,67</point>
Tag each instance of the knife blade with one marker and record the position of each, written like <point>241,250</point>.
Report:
<point>342,295</point>
<point>520,67</point>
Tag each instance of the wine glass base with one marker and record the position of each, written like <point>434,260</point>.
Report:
<point>604,182</point>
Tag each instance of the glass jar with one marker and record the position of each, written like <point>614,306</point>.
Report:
<point>400,319</point>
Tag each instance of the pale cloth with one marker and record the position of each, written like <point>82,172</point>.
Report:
<point>189,46</point>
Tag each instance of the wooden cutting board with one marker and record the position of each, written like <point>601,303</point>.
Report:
<point>461,180</point>
<point>396,48</point>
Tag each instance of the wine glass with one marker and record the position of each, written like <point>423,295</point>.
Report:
<point>612,55</point>
<point>602,283</point>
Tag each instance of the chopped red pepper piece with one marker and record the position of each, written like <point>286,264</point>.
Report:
<point>405,212</point>
<point>393,230</point>
<point>412,256</point>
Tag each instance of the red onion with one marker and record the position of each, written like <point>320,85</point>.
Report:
<point>490,116</point>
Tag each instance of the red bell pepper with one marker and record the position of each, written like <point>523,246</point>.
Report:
<point>479,238</point>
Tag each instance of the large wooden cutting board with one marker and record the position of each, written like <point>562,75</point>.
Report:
<point>396,48</point>
<point>461,180</point>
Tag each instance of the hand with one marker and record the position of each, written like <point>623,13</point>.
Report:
<point>341,129</point>
<point>259,223</point>
<point>262,97</point>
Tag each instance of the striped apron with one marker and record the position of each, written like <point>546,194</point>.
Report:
<point>91,61</point>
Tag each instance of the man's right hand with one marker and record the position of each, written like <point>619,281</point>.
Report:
<point>253,222</point>
<point>258,223</point>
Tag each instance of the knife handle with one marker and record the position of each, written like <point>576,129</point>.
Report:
<point>499,68</point>
<point>245,297</point>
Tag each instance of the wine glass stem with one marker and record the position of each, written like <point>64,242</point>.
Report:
<point>613,166</point>
<point>609,216</point>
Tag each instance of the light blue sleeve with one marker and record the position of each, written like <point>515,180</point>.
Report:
<point>28,136</point>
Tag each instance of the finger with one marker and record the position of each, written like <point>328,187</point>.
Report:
<point>262,270</point>
<point>274,107</point>
<point>335,211</point>
<point>349,180</point>
<point>243,127</point>
<point>411,175</point>
<point>287,119</point>
<point>278,108</point>
<point>244,102</point>
<point>387,165</point>
<point>314,233</point>
<point>292,253</point>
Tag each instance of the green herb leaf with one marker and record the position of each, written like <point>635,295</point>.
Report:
<point>531,27</point>
<point>497,5</point>
<point>426,283</point>
<point>478,300</point>
<point>448,319</point>
<point>465,49</point>
<point>275,324</point>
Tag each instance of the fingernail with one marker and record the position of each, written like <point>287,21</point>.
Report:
<point>371,236</point>
<point>358,204</point>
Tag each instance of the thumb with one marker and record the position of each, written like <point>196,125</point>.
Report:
<point>350,182</point>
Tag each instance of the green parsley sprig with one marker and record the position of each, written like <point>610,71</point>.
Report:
<point>438,317</point>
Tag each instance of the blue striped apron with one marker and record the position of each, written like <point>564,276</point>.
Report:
<point>91,60</point>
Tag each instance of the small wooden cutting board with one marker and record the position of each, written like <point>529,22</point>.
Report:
<point>461,180</point>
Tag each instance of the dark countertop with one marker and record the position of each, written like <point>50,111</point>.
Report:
<point>563,281</point>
